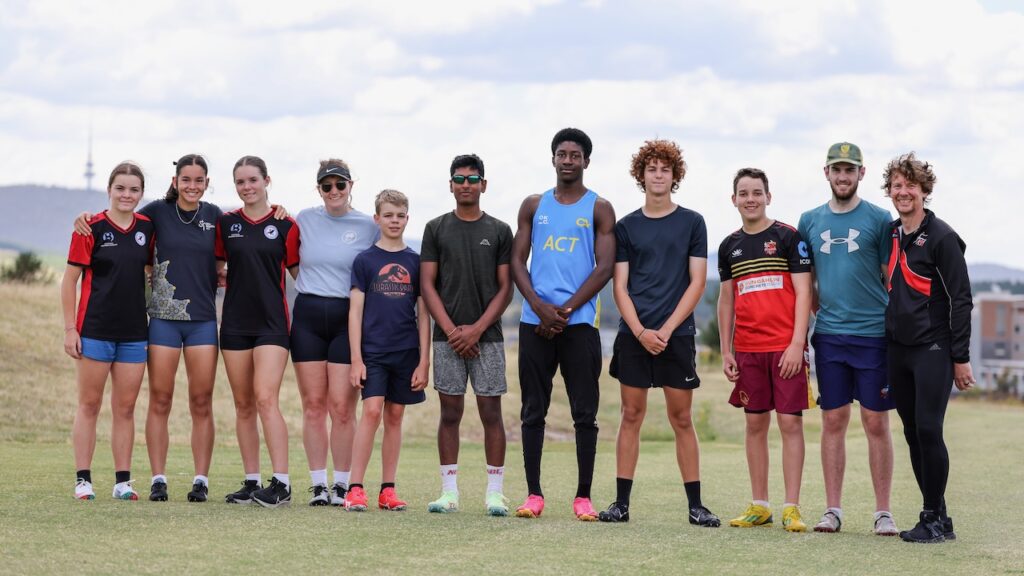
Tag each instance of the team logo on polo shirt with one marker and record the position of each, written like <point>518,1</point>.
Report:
<point>393,280</point>
<point>236,230</point>
<point>349,237</point>
<point>140,238</point>
<point>921,239</point>
<point>108,239</point>
<point>770,248</point>
<point>270,232</point>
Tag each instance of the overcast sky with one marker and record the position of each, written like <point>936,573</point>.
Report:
<point>398,88</point>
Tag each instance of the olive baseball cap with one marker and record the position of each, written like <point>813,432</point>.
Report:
<point>844,152</point>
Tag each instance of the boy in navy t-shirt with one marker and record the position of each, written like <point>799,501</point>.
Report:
<point>389,333</point>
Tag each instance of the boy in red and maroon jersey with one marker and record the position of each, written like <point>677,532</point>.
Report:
<point>763,311</point>
<point>108,333</point>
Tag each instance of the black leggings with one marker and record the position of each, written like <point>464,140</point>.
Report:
<point>921,379</point>
<point>577,352</point>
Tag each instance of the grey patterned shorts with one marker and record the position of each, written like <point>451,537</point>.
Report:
<point>487,371</point>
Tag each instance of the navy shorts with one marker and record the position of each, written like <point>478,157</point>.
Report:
<point>852,368</point>
<point>179,333</point>
<point>247,342</point>
<point>675,367</point>
<point>389,374</point>
<point>108,351</point>
<point>320,329</point>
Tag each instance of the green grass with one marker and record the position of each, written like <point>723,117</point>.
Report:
<point>43,530</point>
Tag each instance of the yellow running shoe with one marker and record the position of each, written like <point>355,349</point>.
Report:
<point>754,515</point>
<point>792,521</point>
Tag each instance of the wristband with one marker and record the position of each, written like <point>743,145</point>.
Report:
<point>70,329</point>
<point>641,333</point>
<point>449,335</point>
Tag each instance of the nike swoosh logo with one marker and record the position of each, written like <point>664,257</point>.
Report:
<point>691,379</point>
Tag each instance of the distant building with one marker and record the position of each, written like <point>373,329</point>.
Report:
<point>997,341</point>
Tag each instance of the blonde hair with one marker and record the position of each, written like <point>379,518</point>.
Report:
<point>393,197</point>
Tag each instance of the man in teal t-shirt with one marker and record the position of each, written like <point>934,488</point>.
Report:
<point>849,240</point>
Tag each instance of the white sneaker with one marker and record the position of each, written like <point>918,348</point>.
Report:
<point>338,494</point>
<point>124,491</point>
<point>829,523</point>
<point>885,525</point>
<point>321,496</point>
<point>83,490</point>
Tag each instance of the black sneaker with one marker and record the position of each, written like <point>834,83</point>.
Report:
<point>198,492</point>
<point>701,516</point>
<point>244,496</point>
<point>321,495</point>
<point>928,530</point>
<point>338,494</point>
<point>274,495</point>
<point>616,512</point>
<point>947,527</point>
<point>158,492</point>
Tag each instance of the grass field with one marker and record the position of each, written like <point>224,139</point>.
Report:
<point>43,530</point>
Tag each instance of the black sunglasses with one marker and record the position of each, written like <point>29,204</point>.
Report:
<point>326,187</point>
<point>460,179</point>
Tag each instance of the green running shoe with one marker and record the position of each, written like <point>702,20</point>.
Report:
<point>448,502</point>
<point>497,504</point>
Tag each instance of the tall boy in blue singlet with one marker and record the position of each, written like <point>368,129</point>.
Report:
<point>570,232</point>
<point>849,239</point>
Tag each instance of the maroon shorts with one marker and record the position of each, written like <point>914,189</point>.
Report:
<point>760,388</point>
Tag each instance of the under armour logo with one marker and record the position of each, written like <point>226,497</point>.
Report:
<point>851,246</point>
<point>484,242</point>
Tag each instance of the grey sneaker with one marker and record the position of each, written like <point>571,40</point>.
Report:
<point>338,494</point>
<point>885,525</point>
<point>830,523</point>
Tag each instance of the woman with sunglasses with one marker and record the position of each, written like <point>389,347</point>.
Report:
<point>332,235</point>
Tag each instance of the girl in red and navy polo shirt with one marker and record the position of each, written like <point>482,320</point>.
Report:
<point>107,331</point>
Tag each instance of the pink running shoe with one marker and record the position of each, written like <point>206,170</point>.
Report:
<point>532,508</point>
<point>584,510</point>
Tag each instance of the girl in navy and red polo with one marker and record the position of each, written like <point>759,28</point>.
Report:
<point>107,333</point>
<point>257,249</point>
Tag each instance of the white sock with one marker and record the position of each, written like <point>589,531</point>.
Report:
<point>253,477</point>
<point>837,511</point>
<point>341,477</point>
<point>450,478</point>
<point>880,512</point>
<point>763,503</point>
<point>495,478</point>
<point>788,504</point>
<point>159,478</point>
<point>283,479</point>
<point>201,479</point>
<point>318,477</point>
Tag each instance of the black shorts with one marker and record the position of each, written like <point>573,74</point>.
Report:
<point>248,342</point>
<point>320,330</point>
<point>675,367</point>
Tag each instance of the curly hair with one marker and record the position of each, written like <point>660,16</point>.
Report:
<point>665,150</point>
<point>916,171</point>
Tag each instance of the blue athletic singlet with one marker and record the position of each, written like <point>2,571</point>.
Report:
<point>562,255</point>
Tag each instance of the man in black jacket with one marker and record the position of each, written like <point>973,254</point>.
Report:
<point>928,325</point>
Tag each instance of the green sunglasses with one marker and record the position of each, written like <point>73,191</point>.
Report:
<point>460,179</point>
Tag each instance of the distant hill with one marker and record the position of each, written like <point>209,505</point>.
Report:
<point>989,272</point>
<point>40,217</point>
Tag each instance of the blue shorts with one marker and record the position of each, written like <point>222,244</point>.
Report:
<point>389,374</point>
<point>107,351</point>
<point>852,368</point>
<point>179,333</point>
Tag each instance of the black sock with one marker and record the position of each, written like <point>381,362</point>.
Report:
<point>583,490</point>
<point>84,475</point>
<point>533,447</point>
<point>623,486</point>
<point>353,486</point>
<point>385,485</point>
<point>122,476</point>
<point>693,493</point>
